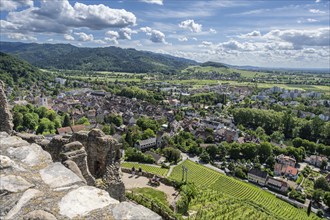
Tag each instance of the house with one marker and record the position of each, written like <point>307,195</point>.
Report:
<point>277,184</point>
<point>285,170</point>
<point>257,176</point>
<point>71,129</point>
<point>145,144</point>
<point>158,158</point>
<point>286,160</point>
<point>316,160</point>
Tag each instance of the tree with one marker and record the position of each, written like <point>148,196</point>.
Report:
<point>106,129</point>
<point>270,162</point>
<point>234,151</point>
<point>17,119</point>
<point>148,133</point>
<point>209,139</point>
<point>326,198</point>
<point>172,154</point>
<point>288,124</point>
<point>317,195</point>
<point>46,127</point>
<point>309,208</point>
<point>66,121</point>
<point>128,138</point>
<point>212,151</point>
<point>205,157</point>
<point>277,136</point>
<point>83,121</point>
<point>321,183</point>
<point>324,164</point>
<point>239,173</point>
<point>265,151</point>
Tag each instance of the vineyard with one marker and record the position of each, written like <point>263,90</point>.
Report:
<point>210,204</point>
<point>254,198</point>
<point>147,168</point>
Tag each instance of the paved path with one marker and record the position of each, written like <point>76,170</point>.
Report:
<point>140,182</point>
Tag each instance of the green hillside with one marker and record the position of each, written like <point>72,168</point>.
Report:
<point>66,56</point>
<point>17,72</point>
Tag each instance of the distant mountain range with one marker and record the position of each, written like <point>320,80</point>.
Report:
<point>66,56</point>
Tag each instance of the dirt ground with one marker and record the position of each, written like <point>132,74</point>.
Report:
<point>141,181</point>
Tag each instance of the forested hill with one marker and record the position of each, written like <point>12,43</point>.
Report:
<point>66,56</point>
<point>17,72</point>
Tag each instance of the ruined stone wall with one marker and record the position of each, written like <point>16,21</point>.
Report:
<point>101,150</point>
<point>75,153</point>
<point>6,119</point>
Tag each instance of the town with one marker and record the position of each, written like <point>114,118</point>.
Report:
<point>275,138</point>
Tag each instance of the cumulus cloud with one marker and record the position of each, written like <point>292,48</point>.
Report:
<point>299,38</point>
<point>155,35</point>
<point>250,35</point>
<point>68,37</point>
<point>61,16</point>
<point>182,39</point>
<point>311,20</point>
<point>84,37</point>
<point>19,36</point>
<point>11,5</point>
<point>122,34</point>
<point>212,31</point>
<point>191,25</point>
<point>316,11</point>
<point>157,2</point>
<point>206,43</point>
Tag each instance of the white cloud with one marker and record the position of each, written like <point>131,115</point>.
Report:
<point>212,31</point>
<point>191,25</point>
<point>11,5</point>
<point>111,39</point>
<point>19,36</point>
<point>206,43</point>
<point>61,16</point>
<point>300,38</point>
<point>250,35</point>
<point>126,33</point>
<point>122,34</point>
<point>311,20</point>
<point>112,34</point>
<point>5,25</point>
<point>317,1</point>
<point>316,11</point>
<point>99,41</point>
<point>155,35</point>
<point>68,37</point>
<point>84,37</point>
<point>195,39</point>
<point>182,39</point>
<point>158,2</point>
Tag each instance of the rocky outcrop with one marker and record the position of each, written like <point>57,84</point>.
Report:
<point>6,119</point>
<point>32,186</point>
<point>75,157</point>
<point>91,155</point>
<point>101,150</point>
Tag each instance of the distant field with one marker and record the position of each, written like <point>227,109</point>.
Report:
<point>148,168</point>
<point>244,73</point>
<point>209,179</point>
<point>107,79</point>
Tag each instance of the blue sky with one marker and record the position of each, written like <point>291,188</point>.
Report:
<point>273,33</point>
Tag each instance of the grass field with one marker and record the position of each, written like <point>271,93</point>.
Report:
<point>148,168</point>
<point>206,178</point>
<point>152,194</point>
